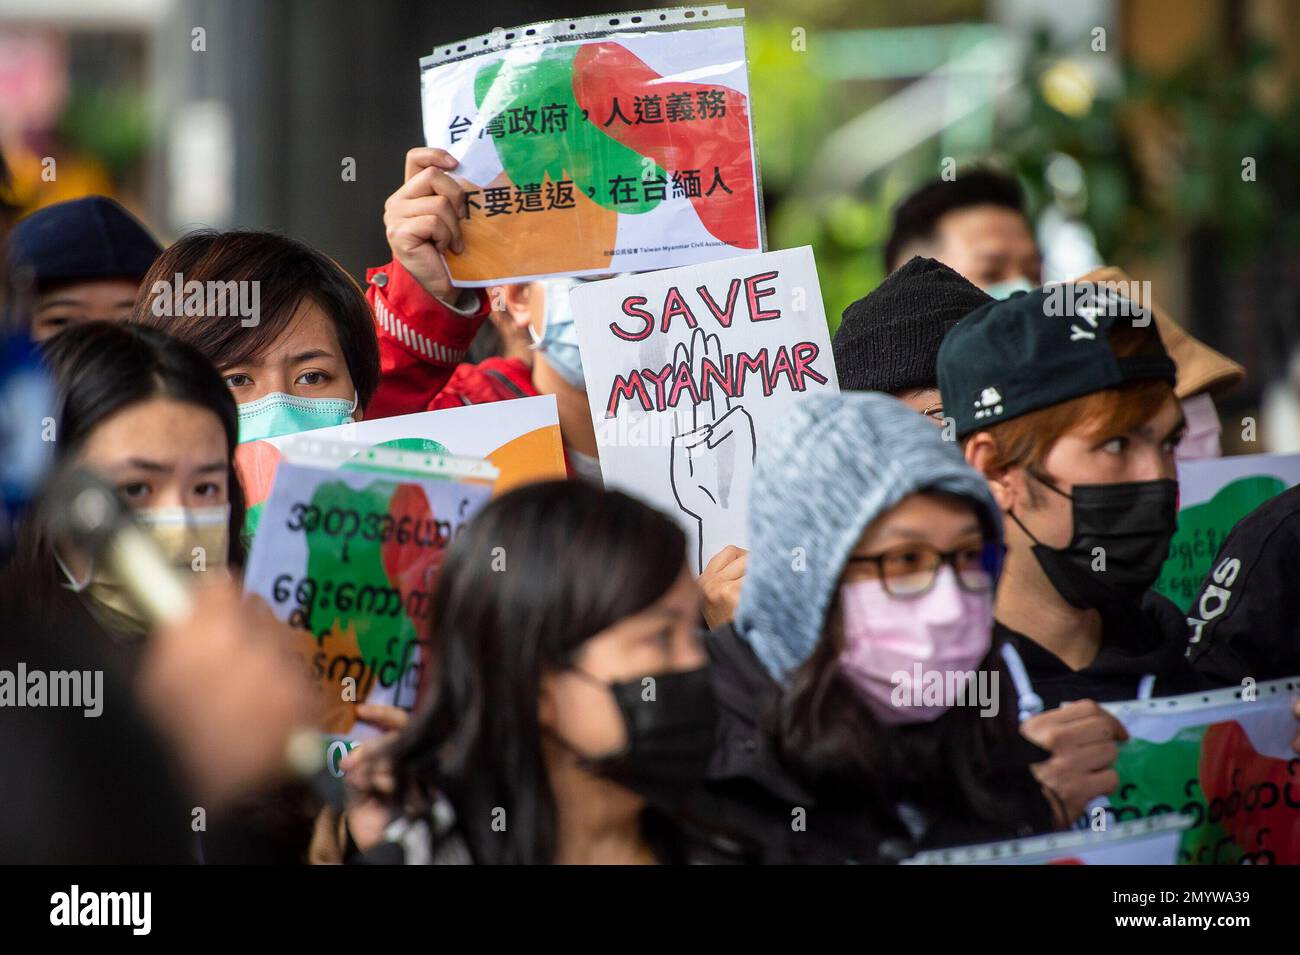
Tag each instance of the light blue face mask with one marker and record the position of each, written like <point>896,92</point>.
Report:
<point>1004,290</point>
<point>277,413</point>
<point>559,338</point>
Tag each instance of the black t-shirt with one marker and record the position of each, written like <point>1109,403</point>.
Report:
<point>1136,639</point>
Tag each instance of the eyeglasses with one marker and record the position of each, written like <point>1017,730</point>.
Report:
<point>910,570</point>
<point>934,412</point>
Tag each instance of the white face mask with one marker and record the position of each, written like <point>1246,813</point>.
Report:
<point>1004,290</point>
<point>1201,439</point>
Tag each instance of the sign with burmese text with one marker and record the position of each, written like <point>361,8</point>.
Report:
<point>1213,495</point>
<point>348,559</point>
<point>688,369</point>
<point>1224,760</point>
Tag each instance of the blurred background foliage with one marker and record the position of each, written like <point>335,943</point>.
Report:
<point>1158,156</point>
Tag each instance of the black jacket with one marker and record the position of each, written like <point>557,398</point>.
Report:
<point>753,796</point>
<point>1137,639</point>
<point>1245,622</point>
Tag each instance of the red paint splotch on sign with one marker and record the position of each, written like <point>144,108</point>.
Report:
<point>605,71</point>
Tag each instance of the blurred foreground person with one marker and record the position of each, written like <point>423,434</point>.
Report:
<point>153,419</point>
<point>572,703</point>
<point>865,711</point>
<point>80,261</point>
<point>141,770</point>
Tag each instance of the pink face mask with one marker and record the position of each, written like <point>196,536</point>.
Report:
<point>1201,439</point>
<point>886,638</point>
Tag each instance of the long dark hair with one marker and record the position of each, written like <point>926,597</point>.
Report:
<point>101,368</point>
<point>963,767</point>
<point>539,571</point>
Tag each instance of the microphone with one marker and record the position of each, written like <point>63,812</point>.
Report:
<point>84,510</point>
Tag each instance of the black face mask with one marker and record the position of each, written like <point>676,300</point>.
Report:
<point>1132,523</point>
<point>670,735</point>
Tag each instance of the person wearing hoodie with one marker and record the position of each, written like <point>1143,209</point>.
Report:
<point>873,560</point>
<point>888,341</point>
<point>1063,399</point>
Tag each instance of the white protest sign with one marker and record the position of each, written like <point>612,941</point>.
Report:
<point>1200,480</point>
<point>1138,842</point>
<point>688,369</point>
<point>599,145</point>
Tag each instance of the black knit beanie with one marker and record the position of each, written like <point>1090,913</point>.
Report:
<point>889,339</point>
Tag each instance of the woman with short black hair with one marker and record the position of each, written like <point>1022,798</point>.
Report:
<point>285,325</point>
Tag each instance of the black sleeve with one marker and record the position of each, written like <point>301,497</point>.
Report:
<point>1245,621</point>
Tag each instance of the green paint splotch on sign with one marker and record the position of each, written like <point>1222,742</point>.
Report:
<point>1157,778</point>
<point>608,173</point>
<point>1202,528</point>
<point>352,591</point>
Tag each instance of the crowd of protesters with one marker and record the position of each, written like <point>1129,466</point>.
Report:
<point>947,506</point>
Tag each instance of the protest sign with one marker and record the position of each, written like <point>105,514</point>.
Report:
<point>1151,841</point>
<point>613,144</point>
<point>1224,758</point>
<point>687,369</point>
<point>520,437</point>
<point>1213,495</point>
<point>348,559</point>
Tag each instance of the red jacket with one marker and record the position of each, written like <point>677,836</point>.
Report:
<point>493,379</point>
<point>421,341</point>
